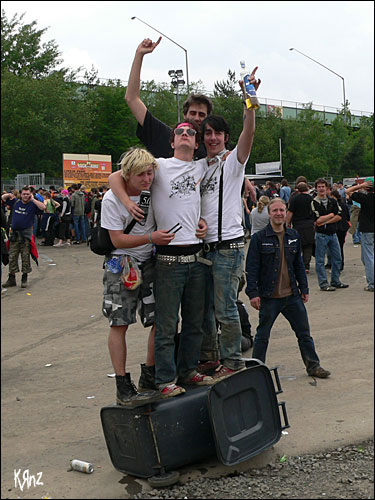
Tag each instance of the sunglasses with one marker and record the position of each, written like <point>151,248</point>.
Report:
<point>189,131</point>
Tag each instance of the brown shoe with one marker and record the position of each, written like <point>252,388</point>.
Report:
<point>207,366</point>
<point>224,372</point>
<point>319,372</point>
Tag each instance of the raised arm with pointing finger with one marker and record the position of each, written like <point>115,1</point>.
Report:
<point>132,96</point>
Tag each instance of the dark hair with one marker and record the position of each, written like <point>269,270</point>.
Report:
<point>74,186</point>
<point>302,187</point>
<point>26,188</point>
<point>284,182</point>
<point>197,99</point>
<point>301,178</point>
<point>336,194</point>
<point>218,123</point>
<point>192,125</point>
<point>321,181</point>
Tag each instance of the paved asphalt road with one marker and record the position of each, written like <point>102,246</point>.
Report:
<point>54,377</point>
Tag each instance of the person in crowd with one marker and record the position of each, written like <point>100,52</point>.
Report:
<point>354,210</point>
<point>248,198</point>
<point>180,267</point>
<point>277,283</point>
<point>271,190</point>
<point>364,194</point>
<point>65,219</point>
<point>326,212</point>
<point>48,219</point>
<point>78,210</point>
<point>21,237</point>
<point>121,297</point>
<point>259,217</point>
<point>285,191</point>
<point>97,209</point>
<point>343,225</point>
<point>4,246</point>
<point>341,189</point>
<point>300,217</point>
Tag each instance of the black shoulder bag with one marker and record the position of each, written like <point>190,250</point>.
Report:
<point>100,240</point>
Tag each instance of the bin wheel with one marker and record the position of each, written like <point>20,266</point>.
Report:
<point>161,480</point>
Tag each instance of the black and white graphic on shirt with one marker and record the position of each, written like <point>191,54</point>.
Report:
<point>209,186</point>
<point>183,187</point>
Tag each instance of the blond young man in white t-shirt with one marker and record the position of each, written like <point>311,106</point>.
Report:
<point>120,303</point>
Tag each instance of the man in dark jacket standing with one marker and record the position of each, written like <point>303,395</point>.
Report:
<point>277,283</point>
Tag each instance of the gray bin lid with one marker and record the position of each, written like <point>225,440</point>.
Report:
<point>244,414</point>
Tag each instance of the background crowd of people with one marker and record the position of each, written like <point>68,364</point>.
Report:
<point>69,214</point>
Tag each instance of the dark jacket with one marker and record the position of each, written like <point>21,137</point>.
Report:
<point>319,209</point>
<point>263,263</point>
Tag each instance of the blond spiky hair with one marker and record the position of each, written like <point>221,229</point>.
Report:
<point>135,161</point>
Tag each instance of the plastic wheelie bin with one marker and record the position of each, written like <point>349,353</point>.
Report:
<point>235,419</point>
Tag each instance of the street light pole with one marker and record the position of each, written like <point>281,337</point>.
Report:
<point>176,76</point>
<point>320,64</point>
<point>178,45</point>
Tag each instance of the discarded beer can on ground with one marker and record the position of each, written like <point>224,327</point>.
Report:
<point>82,466</point>
<point>236,419</point>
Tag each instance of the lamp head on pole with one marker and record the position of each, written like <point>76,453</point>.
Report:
<point>132,18</point>
<point>292,48</point>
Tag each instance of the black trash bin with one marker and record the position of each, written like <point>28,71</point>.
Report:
<point>236,419</point>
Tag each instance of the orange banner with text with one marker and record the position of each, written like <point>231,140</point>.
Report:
<point>88,169</point>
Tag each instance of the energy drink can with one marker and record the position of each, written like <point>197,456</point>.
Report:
<point>82,466</point>
<point>144,204</point>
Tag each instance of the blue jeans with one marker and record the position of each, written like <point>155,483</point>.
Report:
<point>367,256</point>
<point>356,236</point>
<point>324,242</point>
<point>178,285</point>
<point>222,282</point>
<point>79,227</point>
<point>294,310</point>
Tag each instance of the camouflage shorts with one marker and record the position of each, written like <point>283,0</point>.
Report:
<point>120,305</point>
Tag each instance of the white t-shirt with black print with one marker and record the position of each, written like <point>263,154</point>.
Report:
<point>234,172</point>
<point>175,197</point>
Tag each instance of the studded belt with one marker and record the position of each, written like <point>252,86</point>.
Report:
<point>224,245</point>
<point>184,259</point>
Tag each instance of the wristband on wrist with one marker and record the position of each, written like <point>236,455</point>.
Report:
<point>149,238</point>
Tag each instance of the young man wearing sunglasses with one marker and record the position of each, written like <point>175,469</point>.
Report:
<point>180,273</point>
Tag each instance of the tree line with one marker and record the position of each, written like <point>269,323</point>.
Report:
<point>48,111</point>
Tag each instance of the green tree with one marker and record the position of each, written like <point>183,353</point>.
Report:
<point>227,88</point>
<point>22,52</point>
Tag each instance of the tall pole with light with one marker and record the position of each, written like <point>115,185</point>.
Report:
<point>320,64</point>
<point>178,45</point>
<point>176,76</point>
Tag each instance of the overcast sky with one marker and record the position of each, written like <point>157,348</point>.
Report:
<point>217,35</point>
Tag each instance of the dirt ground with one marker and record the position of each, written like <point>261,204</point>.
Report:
<point>55,367</point>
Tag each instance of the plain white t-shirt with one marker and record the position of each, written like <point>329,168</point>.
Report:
<point>234,172</point>
<point>175,197</point>
<point>115,216</point>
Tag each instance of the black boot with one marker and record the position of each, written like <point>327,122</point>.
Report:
<point>24,280</point>
<point>11,281</point>
<point>127,394</point>
<point>147,379</point>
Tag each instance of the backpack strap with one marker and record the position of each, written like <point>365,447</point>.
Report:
<point>220,210</point>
